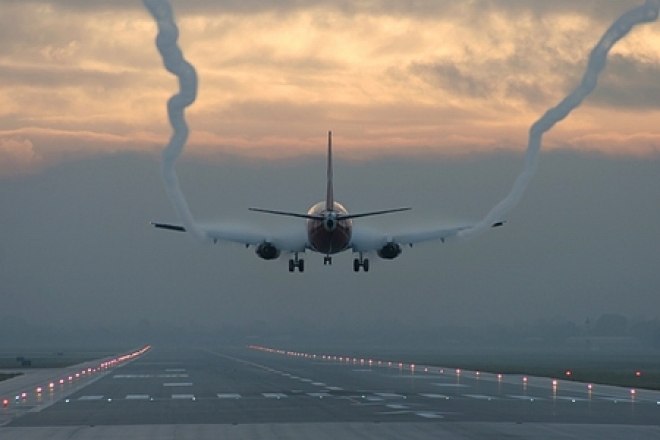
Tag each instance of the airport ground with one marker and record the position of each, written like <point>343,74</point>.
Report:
<point>239,392</point>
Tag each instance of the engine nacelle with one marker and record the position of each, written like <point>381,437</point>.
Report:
<point>390,251</point>
<point>267,251</point>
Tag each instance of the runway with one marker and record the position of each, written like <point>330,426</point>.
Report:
<point>255,392</point>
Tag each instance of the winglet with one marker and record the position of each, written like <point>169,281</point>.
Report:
<point>329,198</point>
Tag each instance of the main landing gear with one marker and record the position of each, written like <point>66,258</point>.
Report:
<point>327,260</point>
<point>296,263</point>
<point>361,262</point>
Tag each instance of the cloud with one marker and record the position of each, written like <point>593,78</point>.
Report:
<point>391,77</point>
<point>17,155</point>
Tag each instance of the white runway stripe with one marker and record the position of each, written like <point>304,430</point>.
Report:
<point>228,396</point>
<point>177,384</point>
<point>183,396</point>
<point>479,396</point>
<point>429,415</point>
<point>273,395</point>
<point>434,396</point>
<point>137,397</point>
<point>90,398</point>
<point>529,398</point>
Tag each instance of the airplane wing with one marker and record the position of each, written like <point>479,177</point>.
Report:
<point>368,240</point>
<point>287,241</point>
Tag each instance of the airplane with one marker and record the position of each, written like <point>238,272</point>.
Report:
<point>329,231</point>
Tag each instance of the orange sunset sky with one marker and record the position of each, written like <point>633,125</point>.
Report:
<point>80,77</point>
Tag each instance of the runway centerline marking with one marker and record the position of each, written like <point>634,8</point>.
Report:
<point>90,398</point>
<point>228,396</point>
<point>183,396</point>
<point>177,384</point>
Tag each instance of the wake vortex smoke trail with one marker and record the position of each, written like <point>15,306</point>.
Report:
<point>619,29</point>
<point>166,41</point>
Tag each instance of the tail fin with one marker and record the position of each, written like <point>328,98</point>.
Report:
<point>329,198</point>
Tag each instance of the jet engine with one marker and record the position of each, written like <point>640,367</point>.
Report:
<point>267,251</point>
<point>390,251</point>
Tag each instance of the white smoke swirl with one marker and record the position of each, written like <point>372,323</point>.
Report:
<point>166,41</point>
<point>619,29</point>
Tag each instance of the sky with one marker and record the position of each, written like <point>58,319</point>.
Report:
<point>429,102</point>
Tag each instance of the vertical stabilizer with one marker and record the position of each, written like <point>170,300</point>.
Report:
<point>329,198</point>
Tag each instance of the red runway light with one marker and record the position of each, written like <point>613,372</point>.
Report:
<point>5,402</point>
<point>638,373</point>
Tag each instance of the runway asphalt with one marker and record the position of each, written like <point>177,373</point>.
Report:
<point>257,393</point>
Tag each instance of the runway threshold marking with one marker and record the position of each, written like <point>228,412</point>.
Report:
<point>479,396</point>
<point>528,398</point>
<point>434,396</point>
<point>274,395</point>
<point>429,415</point>
<point>137,397</point>
<point>570,399</point>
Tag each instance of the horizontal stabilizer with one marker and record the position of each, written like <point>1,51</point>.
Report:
<point>320,217</point>
<point>370,214</point>
<point>169,227</point>
<point>289,214</point>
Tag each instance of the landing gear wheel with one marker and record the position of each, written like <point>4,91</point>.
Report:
<point>356,265</point>
<point>365,265</point>
<point>296,263</point>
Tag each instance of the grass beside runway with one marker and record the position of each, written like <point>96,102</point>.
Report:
<point>634,371</point>
<point>5,376</point>
<point>33,359</point>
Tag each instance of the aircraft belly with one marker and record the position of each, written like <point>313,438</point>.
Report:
<point>327,242</point>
